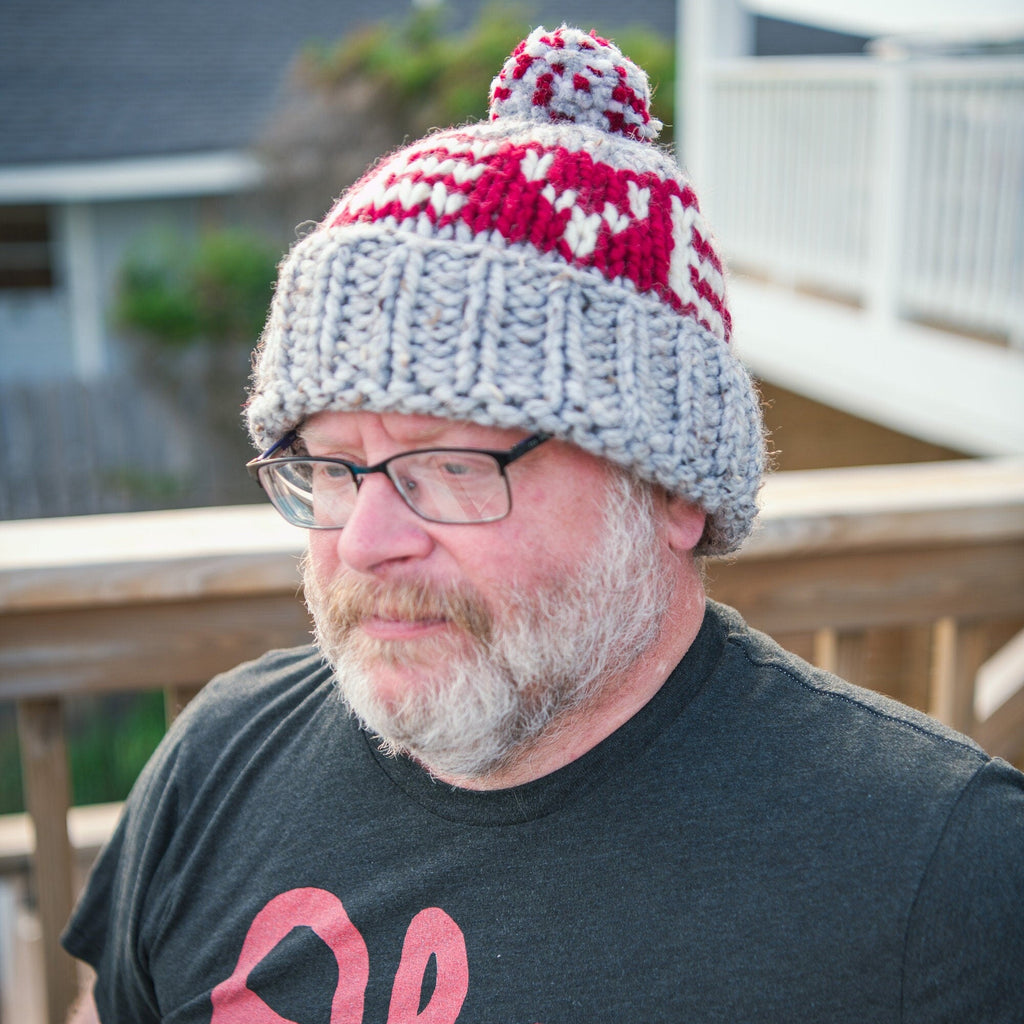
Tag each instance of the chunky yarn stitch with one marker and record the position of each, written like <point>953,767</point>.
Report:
<point>547,269</point>
<point>569,76</point>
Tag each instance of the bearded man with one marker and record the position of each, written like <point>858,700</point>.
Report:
<point>528,772</point>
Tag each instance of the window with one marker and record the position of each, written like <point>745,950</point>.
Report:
<point>25,253</point>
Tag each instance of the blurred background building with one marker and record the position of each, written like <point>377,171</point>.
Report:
<point>155,161</point>
<point>130,134</point>
<point>871,208</point>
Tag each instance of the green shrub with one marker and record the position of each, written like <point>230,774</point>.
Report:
<point>214,291</point>
<point>108,748</point>
<point>109,741</point>
<point>432,79</point>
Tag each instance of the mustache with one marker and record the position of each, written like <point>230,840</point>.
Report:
<point>350,601</point>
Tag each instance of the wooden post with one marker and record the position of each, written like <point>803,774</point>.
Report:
<point>841,652</point>
<point>960,649</point>
<point>47,797</point>
<point>825,649</point>
<point>176,699</point>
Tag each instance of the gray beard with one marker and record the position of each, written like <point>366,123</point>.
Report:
<point>522,667</point>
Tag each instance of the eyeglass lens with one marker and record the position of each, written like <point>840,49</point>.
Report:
<point>443,486</point>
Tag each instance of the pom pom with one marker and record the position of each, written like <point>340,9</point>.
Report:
<point>568,75</point>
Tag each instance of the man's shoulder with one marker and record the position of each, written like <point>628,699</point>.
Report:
<point>805,749</point>
<point>237,713</point>
<point>851,724</point>
<point>266,688</point>
<point>268,674</point>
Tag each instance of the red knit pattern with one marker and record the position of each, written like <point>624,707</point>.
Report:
<point>572,206</point>
<point>543,93</point>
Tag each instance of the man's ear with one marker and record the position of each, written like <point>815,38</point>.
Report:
<point>684,523</point>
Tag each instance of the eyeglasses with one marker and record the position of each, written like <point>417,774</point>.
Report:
<point>441,485</point>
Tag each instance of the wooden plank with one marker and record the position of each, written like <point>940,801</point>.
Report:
<point>115,559</point>
<point>900,662</point>
<point>842,653</point>
<point>48,796</point>
<point>881,507</point>
<point>142,646</point>
<point>89,827</point>
<point>873,588</point>
<point>891,661</point>
<point>118,558</point>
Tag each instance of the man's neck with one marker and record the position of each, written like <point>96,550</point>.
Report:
<point>616,703</point>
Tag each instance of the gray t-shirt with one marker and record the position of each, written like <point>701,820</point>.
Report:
<point>761,842</point>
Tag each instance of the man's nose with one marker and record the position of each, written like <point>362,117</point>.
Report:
<point>382,529</point>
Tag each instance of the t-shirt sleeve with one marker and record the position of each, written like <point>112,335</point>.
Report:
<point>964,955</point>
<point>93,935</point>
<point>119,922</point>
<point>106,927</point>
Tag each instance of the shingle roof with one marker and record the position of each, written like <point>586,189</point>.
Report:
<point>108,79</point>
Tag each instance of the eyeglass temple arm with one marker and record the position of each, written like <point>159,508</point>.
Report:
<point>523,448</point>
<point>285,442</point>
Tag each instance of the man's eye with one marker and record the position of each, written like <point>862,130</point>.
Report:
<point>328,472</point>
<point>452,468</point>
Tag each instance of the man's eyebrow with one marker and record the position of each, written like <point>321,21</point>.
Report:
<point>306,437</point>
<point>303,439</point>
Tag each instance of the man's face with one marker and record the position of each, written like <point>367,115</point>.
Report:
<point>460,644</point>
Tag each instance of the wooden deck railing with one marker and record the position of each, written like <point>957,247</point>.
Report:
<point>905,578</point>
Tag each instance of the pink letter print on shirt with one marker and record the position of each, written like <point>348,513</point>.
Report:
<point>431,932</point>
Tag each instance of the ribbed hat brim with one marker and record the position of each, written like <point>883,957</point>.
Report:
<point>379,318</point>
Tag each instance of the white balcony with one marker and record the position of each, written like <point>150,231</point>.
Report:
<point>872,214</point>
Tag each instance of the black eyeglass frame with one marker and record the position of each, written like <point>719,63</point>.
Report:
<point>502,457</point>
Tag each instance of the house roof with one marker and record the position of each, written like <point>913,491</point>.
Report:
<point>777,37</point>
<point>107,80</point>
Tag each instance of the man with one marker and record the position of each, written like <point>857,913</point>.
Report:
<point>528,773</point>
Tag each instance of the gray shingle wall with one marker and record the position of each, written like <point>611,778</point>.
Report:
<point>107,79</point>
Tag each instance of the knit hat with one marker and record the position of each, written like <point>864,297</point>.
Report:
<point>548,269</point>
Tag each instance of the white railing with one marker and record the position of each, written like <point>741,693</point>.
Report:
<point>898,184</point>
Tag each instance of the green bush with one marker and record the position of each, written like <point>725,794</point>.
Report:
<point>431,79</point>
<point>108,750</point>
<point>194,310</point>
<point>109,740</point>
<point>214,291</point>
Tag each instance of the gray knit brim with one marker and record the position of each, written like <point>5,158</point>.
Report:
<point>381,319</point>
